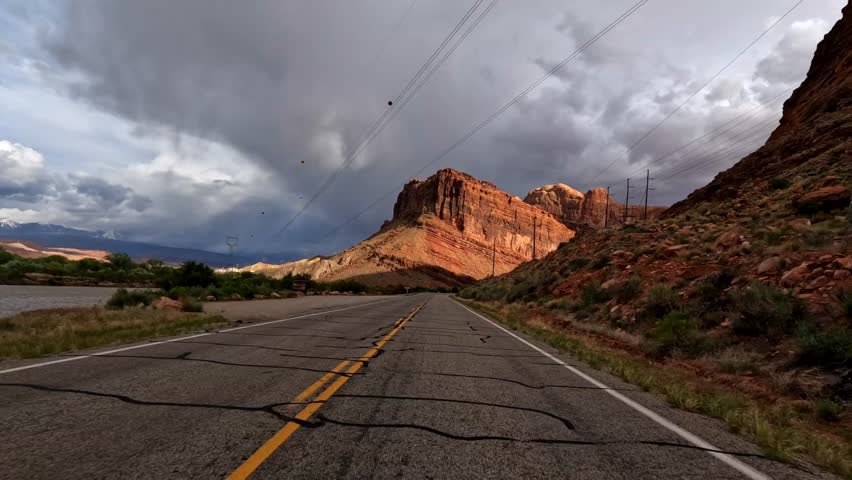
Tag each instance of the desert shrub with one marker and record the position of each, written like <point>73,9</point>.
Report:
<point>592,294</point>
<point>711,291</point>
<point>520,290</point>
<point>190,305</point>
<point>830,349</point>
<point>578,263</point>
<point>661,301</point>
<point>827,410</point>
<point>628,290</point>
<point>130,298</point>
<point>779,183</point>
<point>677,331</point>
<point>601,261</point>
<point>736,360</point>
<point>763,308</point>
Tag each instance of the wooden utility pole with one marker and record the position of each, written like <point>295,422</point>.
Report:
<point>606,218</point>
<point>626,201</point>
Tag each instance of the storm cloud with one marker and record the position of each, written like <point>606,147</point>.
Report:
<point>222,102</point>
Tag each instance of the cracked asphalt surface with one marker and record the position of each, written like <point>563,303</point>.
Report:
<point>449,395</point>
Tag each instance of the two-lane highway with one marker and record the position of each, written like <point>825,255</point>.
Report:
<point>404,387</point>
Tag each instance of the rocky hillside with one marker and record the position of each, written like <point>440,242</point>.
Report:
<point>577,209</point>
<point>747,283</point>
<point>443,233</point>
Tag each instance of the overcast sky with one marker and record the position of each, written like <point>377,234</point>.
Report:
<point>181,122</point>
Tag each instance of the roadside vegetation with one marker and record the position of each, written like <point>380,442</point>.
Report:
<point>46,332</point>
<point>190,281</point>
<point>794,431</point>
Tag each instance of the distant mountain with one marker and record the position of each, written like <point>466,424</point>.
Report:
<point>58,236</point>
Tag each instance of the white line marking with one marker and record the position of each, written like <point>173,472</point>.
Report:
<point>689,437</point>
<point>151,344</point>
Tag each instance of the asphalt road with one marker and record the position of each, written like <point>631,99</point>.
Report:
<point>442,393</point>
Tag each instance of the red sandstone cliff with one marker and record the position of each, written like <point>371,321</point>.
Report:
<point>576,209</point>
<point>443,232</point>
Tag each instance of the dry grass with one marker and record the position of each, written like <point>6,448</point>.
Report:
<point>783,433</point>
<point>46,332</point>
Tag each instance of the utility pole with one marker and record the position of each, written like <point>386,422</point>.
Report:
<point>232,243</point>
<point>626,201</point>
<point>647,189</point>
<point>606,218</point>
<point>534,222</point>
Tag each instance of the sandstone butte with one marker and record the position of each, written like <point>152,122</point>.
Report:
<point>442,234</point>
<point>576,209</point>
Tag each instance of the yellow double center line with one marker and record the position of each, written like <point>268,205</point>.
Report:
<point>249,466</point>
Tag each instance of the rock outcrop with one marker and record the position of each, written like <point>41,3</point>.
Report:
<point>577,209</point>
<point>444,232</point>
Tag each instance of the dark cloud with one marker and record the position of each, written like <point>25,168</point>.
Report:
<point>286,82</point>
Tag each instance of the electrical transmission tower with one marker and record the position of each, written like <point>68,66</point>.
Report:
<point>647,189</point>
<point>232,243</point>
<point>627,198</point>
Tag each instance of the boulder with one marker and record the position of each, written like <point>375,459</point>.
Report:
<point>844,262</point>
<point>731,238</point>
<point>211,298</point>
<point>770,265</point>
<point>800,225</point>
<point>841,274</point>
<point>819,282</point>
<point>796,275</point>
<point>260,297</point>
<point>236,296</point>
<point>275,295</point>
<point>823,199</point>
<point>166,303</point>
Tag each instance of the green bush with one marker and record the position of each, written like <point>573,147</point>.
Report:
<point>677,331</point>
<point>661,301</point>
<point>592,294</point>
<point>130,298</point>
<point>189,305</point>
<point>520,291</point>
<point>601,261</point>
<point>827,410</point>
<point>846,301</point>
<point>578,263</point>
<point>830,349</point>
<point>628,290</point>
<point>779,183</point>
<point>764,309</point>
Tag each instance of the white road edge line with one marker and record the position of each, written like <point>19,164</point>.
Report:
<point>688,436</point>
<point>161,342</point>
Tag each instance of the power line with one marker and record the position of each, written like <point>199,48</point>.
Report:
<point>747,114</point>
<point>500,110</point>
<point>673,112</point>
<point>370,134</point>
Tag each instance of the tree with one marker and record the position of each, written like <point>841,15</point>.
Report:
<point>120,261</point>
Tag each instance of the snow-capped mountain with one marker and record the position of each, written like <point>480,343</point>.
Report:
<point>8,223</point>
